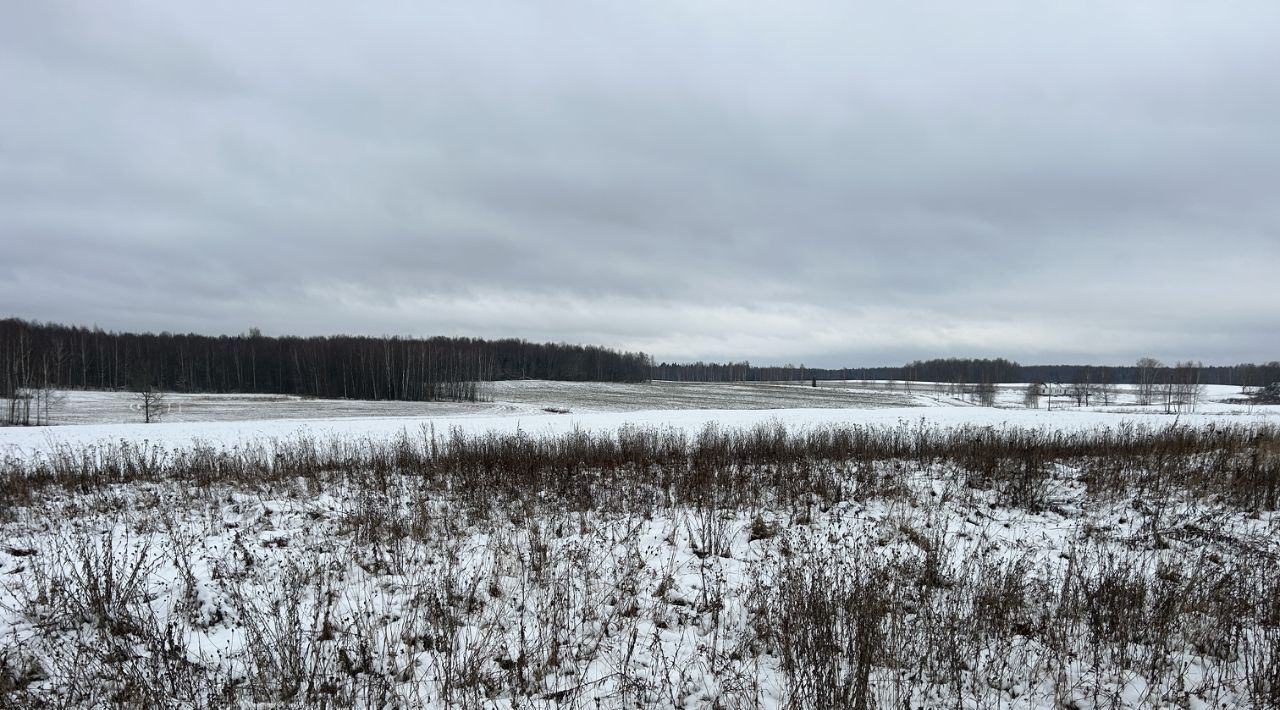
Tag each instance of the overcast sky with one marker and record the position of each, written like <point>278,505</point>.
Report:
<point>836,184</point>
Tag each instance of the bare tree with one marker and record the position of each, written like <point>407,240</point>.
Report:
<point>149,400</point>
<point>1082,386</point>
<point>147,396</point>
<point>44,395</point>
<point>31,395</point>
<point>17,381</point>
<point>19,407</point>
<point>1147,377</point>
<point>1183,390</point>
<point>984,393</point>
<point>1031,395</point>
<point>1104,385</point>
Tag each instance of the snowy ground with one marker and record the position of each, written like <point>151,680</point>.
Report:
<point>506,398</point>
<point>110,417</point>
<point>929,582</point>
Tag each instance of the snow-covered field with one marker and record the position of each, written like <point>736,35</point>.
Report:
<point>532,397</point>
<point>844,546</point>
<point>85,418</point>
<point>506,398</point>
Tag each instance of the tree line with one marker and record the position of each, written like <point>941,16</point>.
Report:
<point>37,357</point>
<point>970,370</point>
<point>741,372</point>
<point>746,372</point>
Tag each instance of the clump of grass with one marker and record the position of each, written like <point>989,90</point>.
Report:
<point>761,528</point>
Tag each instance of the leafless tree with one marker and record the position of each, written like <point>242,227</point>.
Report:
<point>36,405</point>
<point>18,409</point>
<point>28,383</point>
<point>17,380</point>
<point>147,395</point>
<point>44,395</point>
<point>1031,395</point>
<point>1104,384</point>
<point>984,393</point>
<point>1147,377</point>
<point>1182,387</point>
<point>1082,387</point>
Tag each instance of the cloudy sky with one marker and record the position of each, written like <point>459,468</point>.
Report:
<point>836,184</point>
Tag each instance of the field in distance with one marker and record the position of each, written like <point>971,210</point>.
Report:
<point>539,397</point>
<point>504,398</point>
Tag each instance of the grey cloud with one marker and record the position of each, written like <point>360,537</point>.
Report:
<point>833,183</point>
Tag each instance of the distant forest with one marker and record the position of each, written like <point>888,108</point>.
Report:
<point>44,355</point>
<point>963,370</point>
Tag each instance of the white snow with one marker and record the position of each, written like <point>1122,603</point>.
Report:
<point>627,608</point>
<point>224,420</point>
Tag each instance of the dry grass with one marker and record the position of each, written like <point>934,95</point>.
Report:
<point>845,567</point>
